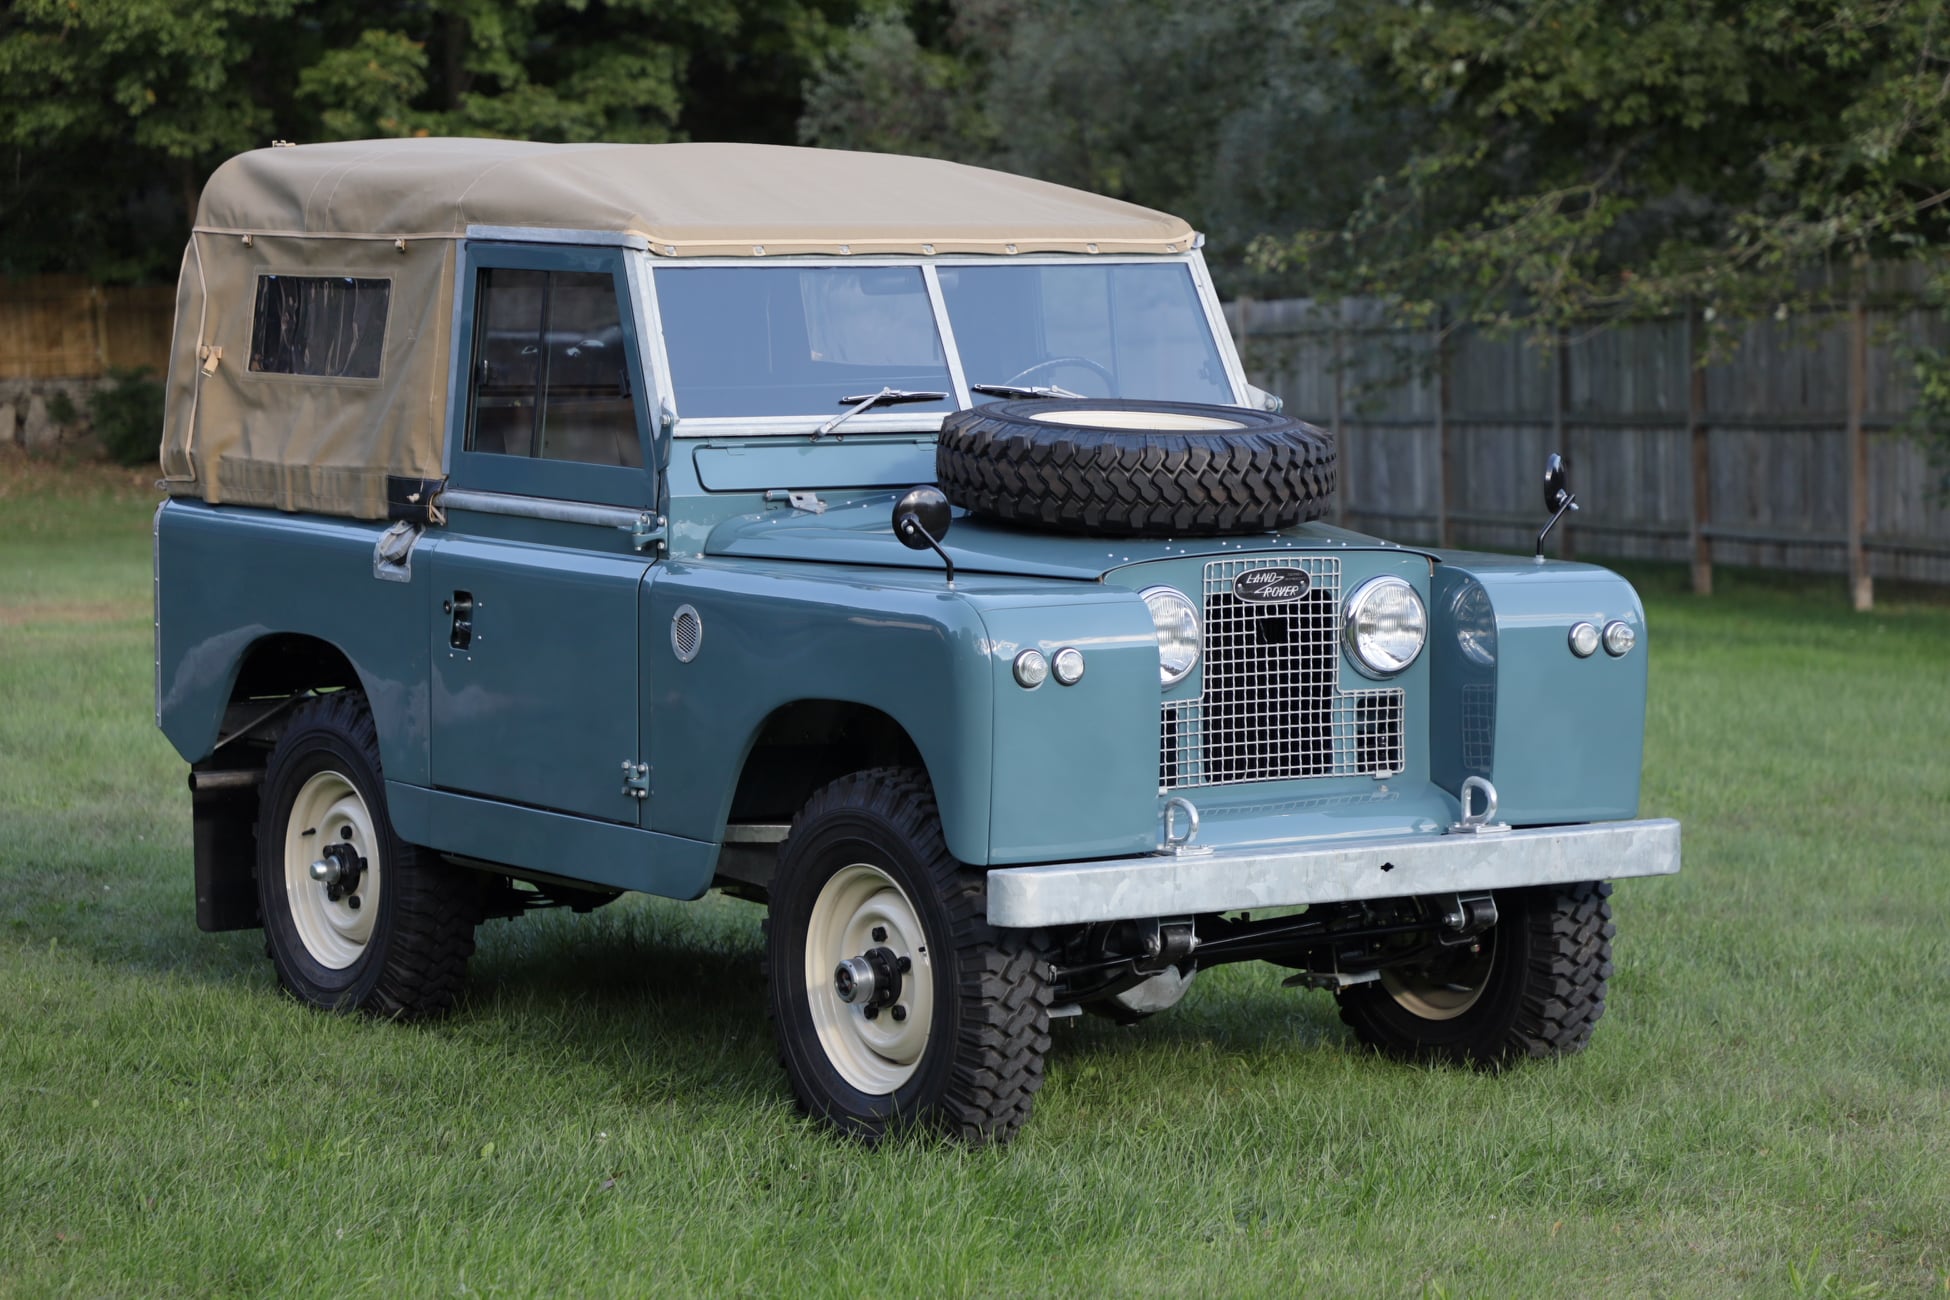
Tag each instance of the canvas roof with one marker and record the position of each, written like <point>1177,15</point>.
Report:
<point>684,199</point>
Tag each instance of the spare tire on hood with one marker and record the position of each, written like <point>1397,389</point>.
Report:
<point>1125,468</point>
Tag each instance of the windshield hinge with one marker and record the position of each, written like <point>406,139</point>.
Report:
<point>636,779</point>
<point>648,530</point>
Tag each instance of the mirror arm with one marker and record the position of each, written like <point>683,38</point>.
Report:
<point>910,526</point>
<point>1570,503</point>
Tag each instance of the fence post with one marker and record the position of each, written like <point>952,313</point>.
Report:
<point>1344,487</point>
<point>1861,585</point>
<point>1560,384</point>
<point>1445,531</point>
<point>1701,465</point>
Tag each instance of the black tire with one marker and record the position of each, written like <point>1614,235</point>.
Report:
<point>985,993</point>
<point>1537,990</point>
<point>1025,462</point>
<point>412,960</point>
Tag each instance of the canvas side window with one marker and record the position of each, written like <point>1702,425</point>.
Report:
<point>551,369</point>
<point>327,326</point>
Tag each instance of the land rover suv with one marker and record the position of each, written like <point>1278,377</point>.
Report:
<point>895,543</point>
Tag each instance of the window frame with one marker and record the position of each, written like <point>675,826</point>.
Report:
<point>894,420</point>
<point>566,480</point>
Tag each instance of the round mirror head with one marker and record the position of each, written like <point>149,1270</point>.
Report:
<point>921,514</point>
<point>1556,486</point>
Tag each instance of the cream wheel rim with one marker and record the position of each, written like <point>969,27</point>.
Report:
<point>329,812</point>
<point>854,909</point>
<point>1446,987</point>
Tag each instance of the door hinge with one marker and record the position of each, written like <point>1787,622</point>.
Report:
<point>636,779</point>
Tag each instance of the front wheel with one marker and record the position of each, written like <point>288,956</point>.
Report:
<point>1533,984</point>
<point>895,1002</point>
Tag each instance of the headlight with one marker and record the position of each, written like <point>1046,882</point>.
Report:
<point>1475,624</point>
<point>1386,625</point>
<point>1178,637</point>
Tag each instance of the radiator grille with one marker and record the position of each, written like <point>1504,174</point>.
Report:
<point>1271,707</point>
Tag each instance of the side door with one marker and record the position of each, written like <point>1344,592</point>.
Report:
<point>535,696</point>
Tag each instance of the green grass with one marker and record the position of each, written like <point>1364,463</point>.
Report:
<point>1763,1111</point>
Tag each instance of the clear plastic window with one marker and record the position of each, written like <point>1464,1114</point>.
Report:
<point>551,369</point>
<point>332,327</point>
<point>762,341</point>
<point>1112,330</point>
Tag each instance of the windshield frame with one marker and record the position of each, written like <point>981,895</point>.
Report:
<point>896,420</point>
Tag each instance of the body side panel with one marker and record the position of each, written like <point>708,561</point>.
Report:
<point>229,576</point>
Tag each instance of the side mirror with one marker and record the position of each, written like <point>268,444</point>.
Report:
<point>1557,488</point>
<point>1558,497</point>
<point>921,520</point>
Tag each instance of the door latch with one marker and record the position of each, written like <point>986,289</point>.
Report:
<point>636,779</point>
<point>462,608</point>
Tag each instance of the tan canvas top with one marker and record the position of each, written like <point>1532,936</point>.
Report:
<point>685,199</point>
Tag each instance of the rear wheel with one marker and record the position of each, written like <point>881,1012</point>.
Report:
<point>1533,984</point>
<point>354,918</point>
<point>895,1002</point>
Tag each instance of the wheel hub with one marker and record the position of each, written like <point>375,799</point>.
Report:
<point>333,890</point>
<point>872,980</point>
<point>339,870</point>
<point>869,984</point>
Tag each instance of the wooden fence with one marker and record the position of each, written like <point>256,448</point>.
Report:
<point>1780,455</point>
<point>64,327</point>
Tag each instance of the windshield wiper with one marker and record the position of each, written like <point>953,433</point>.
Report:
<point>866,401</point>
<point>1017,390</point>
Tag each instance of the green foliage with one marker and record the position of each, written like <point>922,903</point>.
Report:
<point>114,114</point>
<point>1237,116</point>
<point>1576,160</point>
<point>127,413</point>
<point>61,408</point>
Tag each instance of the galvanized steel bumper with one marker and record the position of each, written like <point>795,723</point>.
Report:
<point>1068,893</point>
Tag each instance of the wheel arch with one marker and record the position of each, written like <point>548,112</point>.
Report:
<point>805,744</point>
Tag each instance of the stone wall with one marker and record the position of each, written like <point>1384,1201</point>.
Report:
<point>28,408</point>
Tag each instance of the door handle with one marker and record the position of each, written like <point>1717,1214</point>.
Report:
<point>462,608</point>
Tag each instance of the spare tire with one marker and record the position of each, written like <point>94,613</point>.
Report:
<point>1124,468</point>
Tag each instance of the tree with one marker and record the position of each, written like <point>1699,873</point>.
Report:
<point>114,113</point>
<point>1239,117</point>
<point>1581,160</point>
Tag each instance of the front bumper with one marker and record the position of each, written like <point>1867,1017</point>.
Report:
<point>1120,889</point>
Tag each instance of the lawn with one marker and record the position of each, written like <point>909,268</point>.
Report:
<point>1763,1110</point>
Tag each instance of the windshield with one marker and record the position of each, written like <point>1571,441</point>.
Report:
<point>1112,330</point>
<point>776,340</point>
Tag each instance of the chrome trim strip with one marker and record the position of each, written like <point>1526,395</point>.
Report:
<point>1071,893</point>
<point>551,235</point>
<point>520,507</point>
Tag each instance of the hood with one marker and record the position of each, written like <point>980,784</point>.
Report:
<point>862,533</point>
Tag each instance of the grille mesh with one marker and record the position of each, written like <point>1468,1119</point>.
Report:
<point>1271,707</point>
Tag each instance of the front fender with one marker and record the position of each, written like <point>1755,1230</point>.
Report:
<point>775,634</point>
<point>1561,738</point>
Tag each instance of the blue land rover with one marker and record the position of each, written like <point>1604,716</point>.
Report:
<point>896,543</point>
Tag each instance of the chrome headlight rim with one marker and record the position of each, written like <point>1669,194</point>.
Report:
<point>1152,597</point>
<point>1350,626</point>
